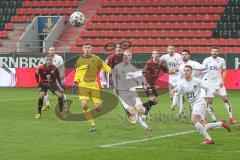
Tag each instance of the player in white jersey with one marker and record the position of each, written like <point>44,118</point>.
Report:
<point>59,63</point>
<point>191,88</point>
<point>173,60</point>
<point>197,72</point>
<point>126,78</point>
<point>215,76</point>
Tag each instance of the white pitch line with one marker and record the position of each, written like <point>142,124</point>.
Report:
<point>182,149</point>
<point>146,139</point>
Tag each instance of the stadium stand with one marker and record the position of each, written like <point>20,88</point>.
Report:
<point>195,24</point>
<point>23,11</point>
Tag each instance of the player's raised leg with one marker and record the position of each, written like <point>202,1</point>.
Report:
<point>229,109</point>
<point>200,127</point>
<point>133,111</point>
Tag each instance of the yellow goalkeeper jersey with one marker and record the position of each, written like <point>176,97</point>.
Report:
<point>88,68</point>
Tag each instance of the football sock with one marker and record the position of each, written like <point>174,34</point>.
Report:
<point>148,105</point>
<point>46,98</point>
<point>140,121</point>
<point>40,103</point>
<point>210,126</point>
<point>64,97</point>
<point>60,103</point>
<point>89,117</point>
<point>229,109</point>
<point>181,108</point>
<point>202,130</point>
<point>211,112</point>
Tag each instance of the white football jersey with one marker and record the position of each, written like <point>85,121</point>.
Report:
<point>58,62</point>
<point>214,68</point>
<point>195,66</point>
<point>172,61</point>
<point>192,90</point>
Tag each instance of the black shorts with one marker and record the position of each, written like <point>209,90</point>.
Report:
<point>53,89</point>
<point>151,91</point>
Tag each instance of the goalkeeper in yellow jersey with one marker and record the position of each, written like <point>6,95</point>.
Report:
<point>87,68</point>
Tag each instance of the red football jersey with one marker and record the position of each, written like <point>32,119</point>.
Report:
<point>48,76</point>
<point>152,71</point>
<point>113,60</point>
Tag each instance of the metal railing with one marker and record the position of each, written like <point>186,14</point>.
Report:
<point>11,46</point>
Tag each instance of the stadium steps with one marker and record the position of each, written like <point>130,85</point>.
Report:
<point>71,33</point>
<point>10,44</point>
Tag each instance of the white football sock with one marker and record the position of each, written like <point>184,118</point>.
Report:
<point>211,113</point>
<point>140,121</point>
<point>64,97</point>
<point>229,109</point>
<point>210,126</point>
<point>181,108</point>
<point>46,98</point>
<point>202,130</point>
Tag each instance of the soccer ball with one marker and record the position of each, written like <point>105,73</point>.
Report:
<point>77,19</point>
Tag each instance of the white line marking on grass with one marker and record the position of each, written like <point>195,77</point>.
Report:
<point>182,149</point>
<point>146,139</point>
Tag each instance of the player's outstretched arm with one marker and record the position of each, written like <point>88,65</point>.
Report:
<point>106,67</point>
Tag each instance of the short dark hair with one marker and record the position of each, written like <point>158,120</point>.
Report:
<point>215,47</point>
<point>86,44</point>
<point>186,50</point>
<point>188,66</point>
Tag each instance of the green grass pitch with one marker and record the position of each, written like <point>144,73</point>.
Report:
<point>23,138</point>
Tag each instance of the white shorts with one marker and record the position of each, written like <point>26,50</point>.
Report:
<point>221,91</point>
<point>199,108</point>
<point>129,98</point>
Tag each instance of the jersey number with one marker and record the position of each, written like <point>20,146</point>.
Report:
<point>190,95</point>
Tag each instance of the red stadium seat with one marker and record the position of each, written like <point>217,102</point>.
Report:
<point>198,33</point>
<point>3,34</point>
<point>9,26</point>
<point>186,41</point>
<point>190,33</point>
<point>181,33</point>
<point>193,42</point>
<point>202,42</point>
<point>176,10</point>
<point>212,41</point>
<point>162,33</point>
<point>177,41</point>
<point>171,33</point>
<point>193,9</point>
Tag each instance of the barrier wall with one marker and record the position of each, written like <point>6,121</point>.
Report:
<point>18,70</point>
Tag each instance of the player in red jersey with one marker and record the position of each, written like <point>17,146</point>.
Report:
<point>151,72</point>
<point>48,77</point>
<point>112,60</point>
